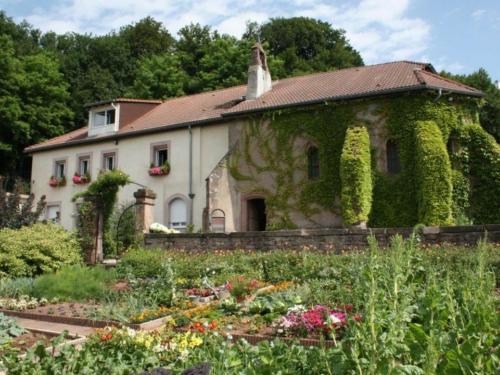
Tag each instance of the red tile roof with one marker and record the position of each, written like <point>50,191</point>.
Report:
<point>365,81</point>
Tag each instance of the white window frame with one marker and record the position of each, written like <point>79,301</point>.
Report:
<point>81,160</point>
<point>51,205</point>
<point>57,164</point>
<point>105,156</point>
<point>105,112</point>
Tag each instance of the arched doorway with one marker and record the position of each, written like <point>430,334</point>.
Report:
<point>177,214</point>
<point>256,214</point>
<point>218,221</point>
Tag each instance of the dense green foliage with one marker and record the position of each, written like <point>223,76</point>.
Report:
<point>306,45</point>
<point>99,199</point>
<point>16,212</point>
<point>356,176</point>
<point>277,143</point>
<point>36,249</point>
<point>489,113</point>
<point>74,283</point>
<point>46,79</point>
<point>423,311</point>
<point>480,158</point>
<point>141,263</point>
<point>433,175</point>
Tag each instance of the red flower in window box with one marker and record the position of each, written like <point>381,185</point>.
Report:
<point>55,182</point>
<point>77,179</point>
<point>161,170</point>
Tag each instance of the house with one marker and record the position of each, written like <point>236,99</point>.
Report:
<point>259,156</point>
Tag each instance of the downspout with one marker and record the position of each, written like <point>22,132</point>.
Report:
<point>190,194</point>
<point>440,93</point>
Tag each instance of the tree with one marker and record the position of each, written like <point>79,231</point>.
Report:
<point>306,45</point>
<point>146,37</point>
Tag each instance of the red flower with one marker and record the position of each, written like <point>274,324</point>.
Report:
<point>357,317</point>
<point>197,326</point>
<point>106,336</point>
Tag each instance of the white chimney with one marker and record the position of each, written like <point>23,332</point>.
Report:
<point>259,78</point>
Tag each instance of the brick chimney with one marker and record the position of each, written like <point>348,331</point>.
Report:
<point>259,78</point>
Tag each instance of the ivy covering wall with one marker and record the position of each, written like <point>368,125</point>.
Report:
<point>273,147</point>
<point>433,175</point>
<point>356,176</point>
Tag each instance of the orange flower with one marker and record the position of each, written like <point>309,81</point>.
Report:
<point>213,324</point>
<point>106,336</point>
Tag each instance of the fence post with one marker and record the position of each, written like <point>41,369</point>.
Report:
<point>145,201</point>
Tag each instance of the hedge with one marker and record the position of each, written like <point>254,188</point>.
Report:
<point>433,175</point>
<point>356,176</point>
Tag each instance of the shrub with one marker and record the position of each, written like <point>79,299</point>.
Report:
<point>121,234</point>
<point>141,263</point>
<point>461,194</point>
<point>17,287</point>
<point>16,212</point>
<point>74,283</point>
<point>433,175</point>
<point>30,251</point>
<point>356,176</point>
<point>481,157</point>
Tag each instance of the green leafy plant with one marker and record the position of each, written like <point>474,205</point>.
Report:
<point>36,249</point>
<point>433,175</point>
<point>356,176</point>
<point>141,263</point>
<point>9,329</point>
<point>75,283</point>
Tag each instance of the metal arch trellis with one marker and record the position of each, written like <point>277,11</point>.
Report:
<point>123,213</point>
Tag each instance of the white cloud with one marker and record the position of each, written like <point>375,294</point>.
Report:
<point>381,30</point>
<point>478,13</point>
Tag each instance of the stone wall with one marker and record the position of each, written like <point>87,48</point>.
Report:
<point>320,239</point>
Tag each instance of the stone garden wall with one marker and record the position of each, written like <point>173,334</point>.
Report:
<point>320,239</point>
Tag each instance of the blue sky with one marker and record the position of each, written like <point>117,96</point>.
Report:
<point>459,36</point>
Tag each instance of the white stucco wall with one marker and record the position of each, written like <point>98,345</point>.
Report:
<point>210,144</point>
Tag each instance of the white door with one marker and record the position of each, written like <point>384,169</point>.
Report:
<point>178,214</point>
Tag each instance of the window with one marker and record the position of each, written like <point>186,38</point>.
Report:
<point>392,152</point>
<point>160,155</point>
<point>103,118</point>
<point>177,214</point>
<point>53,213</point>
<point>313,162</point>
<point>84,165</point>
<point>60,169</point>
<point>109,161</point>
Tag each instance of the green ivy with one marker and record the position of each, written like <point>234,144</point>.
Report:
<point>356,176</point>
<point>461,196</point>
<point>433,175</point>
<point>397,200</point>
<point>481,159</point>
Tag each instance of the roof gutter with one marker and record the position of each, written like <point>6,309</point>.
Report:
<point>231,115</point>
<point>350,97</point>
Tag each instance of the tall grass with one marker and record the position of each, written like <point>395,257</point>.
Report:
<point>74,283</point>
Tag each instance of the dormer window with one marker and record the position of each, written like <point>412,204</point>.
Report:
<point>103,118</point>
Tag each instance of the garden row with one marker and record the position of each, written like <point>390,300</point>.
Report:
<point>406,309</point>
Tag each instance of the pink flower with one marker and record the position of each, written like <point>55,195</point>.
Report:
<point>77,179</point>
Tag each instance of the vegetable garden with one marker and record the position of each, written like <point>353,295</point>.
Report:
<point>407,309</point>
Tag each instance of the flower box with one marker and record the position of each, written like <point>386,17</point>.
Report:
<point>161,170</point>
<point>56,182</point>
<point>79,180</point>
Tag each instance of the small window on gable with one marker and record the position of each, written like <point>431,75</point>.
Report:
<point>313,162</point>
<point>83,165</point>
<point>160,155</point>
<point>109,161</point>
<point>60,169</point>
<point>392,153</point>
<point>53,213</point>
<point>103,118</point>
